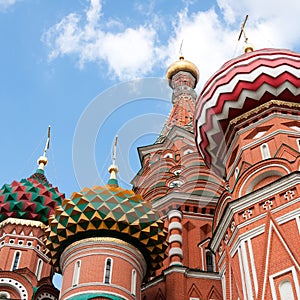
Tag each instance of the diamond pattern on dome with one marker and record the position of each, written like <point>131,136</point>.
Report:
<point>108,210</point>
<point>33,198</point>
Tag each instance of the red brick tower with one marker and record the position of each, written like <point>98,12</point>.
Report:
<point>104,241</point>
<point>175,179</point>
<point>25,207</point>
<point>248,130</point>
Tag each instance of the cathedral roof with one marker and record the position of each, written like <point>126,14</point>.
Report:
<point>108,211</point>
<point>239,86</point>
<point>33,198</point>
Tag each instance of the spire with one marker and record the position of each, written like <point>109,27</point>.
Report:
<point>248,47</point>
<point>113,168</point>
<point>43,160</point>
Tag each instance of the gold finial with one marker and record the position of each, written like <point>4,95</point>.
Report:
<point>113,169</point>
<point>181,57</point>
<point>43,160</point>
<point>248,47</point>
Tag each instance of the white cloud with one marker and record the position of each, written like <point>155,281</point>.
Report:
<point>210,39</point>
<point>129,53</point>
<point>5,4</point>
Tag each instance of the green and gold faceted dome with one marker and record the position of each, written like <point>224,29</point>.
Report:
<point>109,211</point>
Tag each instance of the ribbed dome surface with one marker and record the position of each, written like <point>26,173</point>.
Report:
<point>33,198</point>
<point>241,85</point>
<point>108,211</point>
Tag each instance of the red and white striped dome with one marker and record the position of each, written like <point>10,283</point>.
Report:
<point>240,85</point>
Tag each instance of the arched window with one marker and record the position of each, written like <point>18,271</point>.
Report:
<point>39,269</point>
<point>168,155</point>
<point>4,295</point>
<point>265,152</point>
<point>187,151</point>
<point>286,290</point>
<point>209,262</point>
<point>16,260</point>
<point>108,271</point>
<point>236,172</point>
<point>76,273</point>
<point>133,282</point>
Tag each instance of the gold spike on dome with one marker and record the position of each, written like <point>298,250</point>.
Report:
<point>182,65</point>
<point>43,160</point>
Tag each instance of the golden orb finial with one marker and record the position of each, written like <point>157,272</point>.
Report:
<point>182,65</point>
<point>43,160</point>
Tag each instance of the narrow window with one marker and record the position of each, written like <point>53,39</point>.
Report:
<point>107,271</point>
<point>298,143</point>
<point>236,172</point>
<point>39,269</point>
<point>76,273</point>
<point>286,290</point>
<point>265,152</point>
<point>16,260</point>
<point>133,282</point>
<point>209,262</point>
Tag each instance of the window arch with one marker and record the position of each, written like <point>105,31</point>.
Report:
<point>108,271</point>
<point>209,261</point>
<point>286,290</point>
<point>168,155</point>
<point>265,152</point>
<point>76,273</point>
<point>187,151</point>
<point>133,282</point>
<point>39,269</point>
<point>16,261</point>
<point>4,295</point>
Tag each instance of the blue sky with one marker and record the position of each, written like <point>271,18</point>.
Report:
<point>83,67</point>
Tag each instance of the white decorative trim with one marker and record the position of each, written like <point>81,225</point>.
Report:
<point>175,225</point>
<point>16,285</point>
<point>175,263</point>
<point>242,273</point>
<point>264,175</point>
<point>175,251</point>
<point>246,271</point>
<point>174,213</point>
<point>246,201</point>
<point>252,264</point>
<point>175,238</point>
<point>46,295</point>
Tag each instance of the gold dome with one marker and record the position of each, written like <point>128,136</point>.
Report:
<point>182,65</point>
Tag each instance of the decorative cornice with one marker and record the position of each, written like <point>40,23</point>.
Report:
<point>15,221</point>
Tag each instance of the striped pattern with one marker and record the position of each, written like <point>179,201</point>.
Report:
<point>239,86</point>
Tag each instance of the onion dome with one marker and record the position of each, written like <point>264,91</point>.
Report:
<point>182,65</point>
<point>33,198</point>
<point>109,211</point>
<point>242,84</point>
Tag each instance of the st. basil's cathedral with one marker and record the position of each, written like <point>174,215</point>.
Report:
<point>213,213</point>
